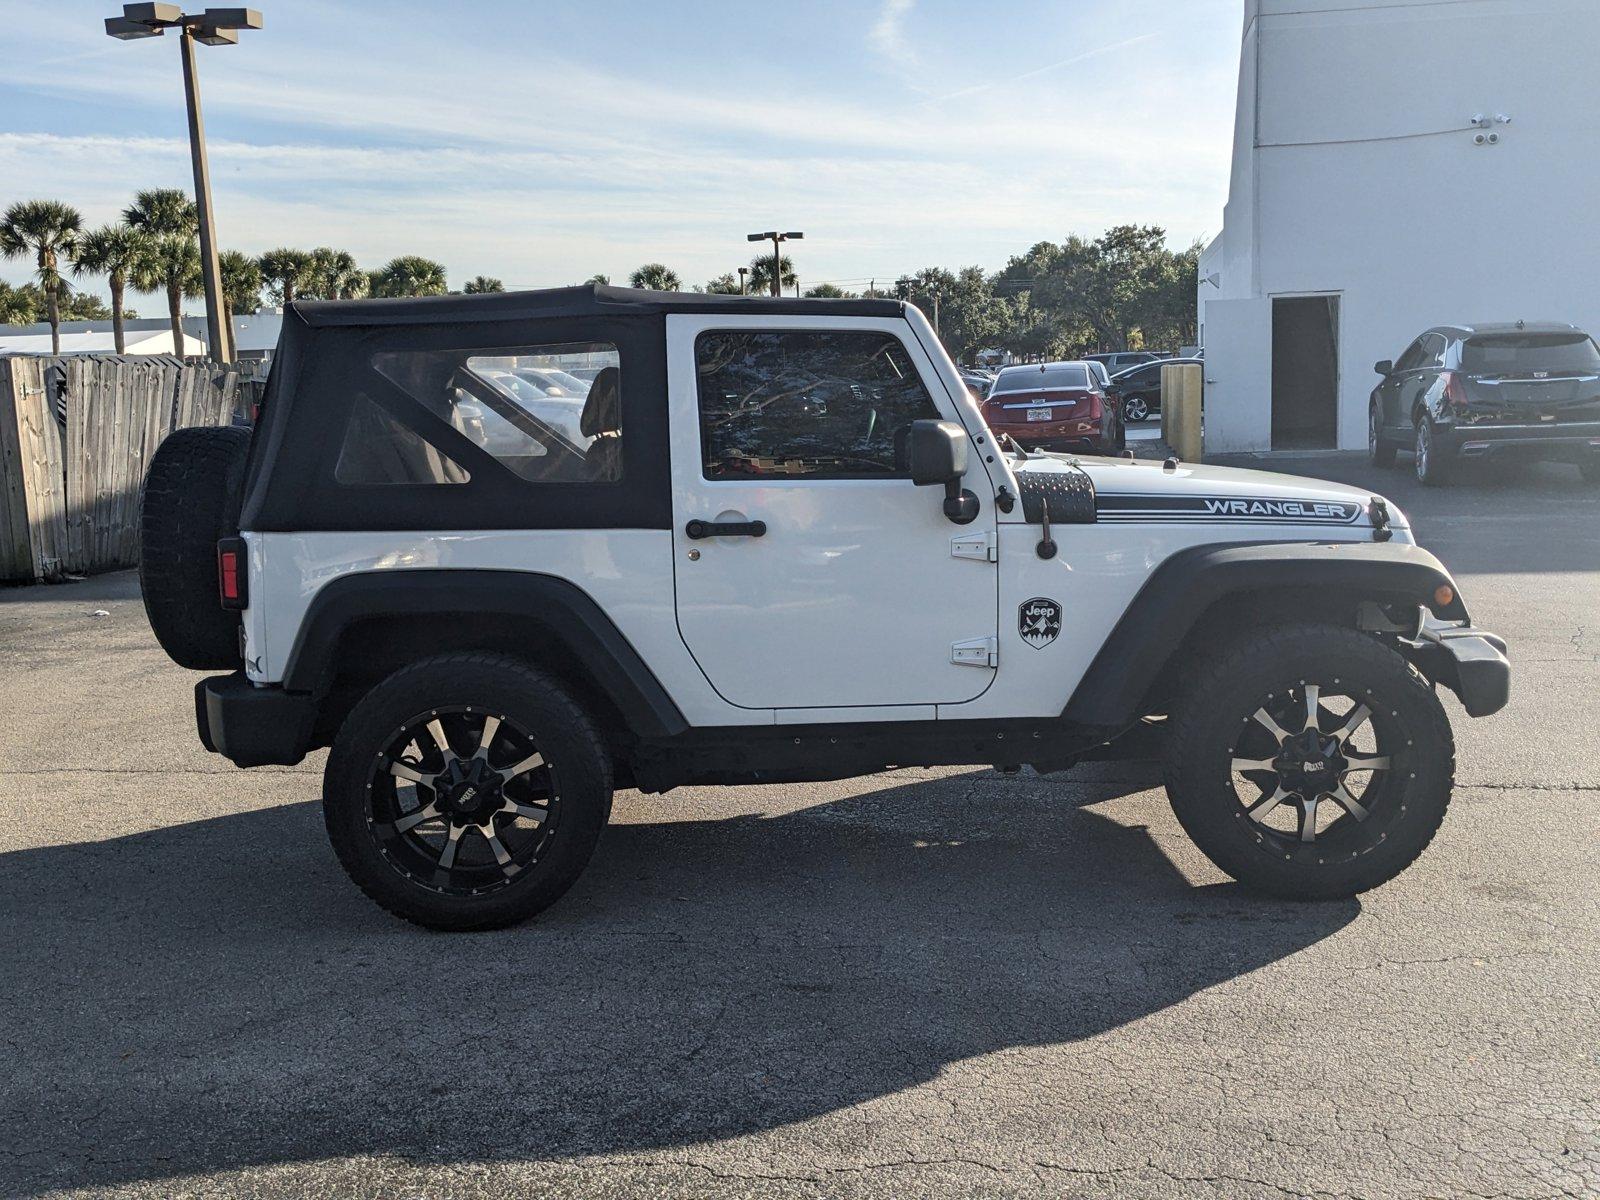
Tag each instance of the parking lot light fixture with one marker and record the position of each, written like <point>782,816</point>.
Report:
<point>213,27</point>
<point>777,253</point>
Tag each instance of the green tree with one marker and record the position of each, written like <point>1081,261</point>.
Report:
<point>761,274</point>
<point>828,291</point>
<point>18,306</point>
<point>117,252</point>
<point>241,283</point>
<point>163,211</point>
<point>409,275</point>
<point>331,275</point>
<point>285,272</point>
<point>481,284</point>
<point>726,284</point>
<point>602,280</point>
<point>46,230</point>
<point>84,306</point>
<point>173,267</point>
<point>656,277</point>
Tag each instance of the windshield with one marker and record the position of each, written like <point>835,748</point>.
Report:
<point>1032,379</point>
<point>1505,354</point>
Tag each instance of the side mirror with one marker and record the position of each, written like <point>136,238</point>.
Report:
<point>1384,366</point>
<point>937,453</point>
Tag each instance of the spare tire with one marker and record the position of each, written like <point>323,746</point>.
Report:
<point>190,500</point>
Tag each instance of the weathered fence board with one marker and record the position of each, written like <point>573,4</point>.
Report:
<point>77,434</point>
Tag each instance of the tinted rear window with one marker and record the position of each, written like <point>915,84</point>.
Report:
<point>1563,353</point>
<point>1073,375</point>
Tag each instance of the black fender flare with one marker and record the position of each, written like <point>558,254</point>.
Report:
<point>561,608</point>
<point>1188,583</point>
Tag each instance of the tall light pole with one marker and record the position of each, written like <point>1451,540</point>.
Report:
<point>777,253</point>
<point>744,273</point>
<point>214,27</point>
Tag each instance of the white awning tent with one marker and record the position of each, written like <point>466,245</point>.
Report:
<point>143,341</point>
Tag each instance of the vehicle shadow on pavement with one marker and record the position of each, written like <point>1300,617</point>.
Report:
<point>216,995</point>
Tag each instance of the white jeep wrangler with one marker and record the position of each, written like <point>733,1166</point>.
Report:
<point>504,553</point>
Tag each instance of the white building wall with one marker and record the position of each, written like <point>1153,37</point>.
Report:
<point>1356,172</point>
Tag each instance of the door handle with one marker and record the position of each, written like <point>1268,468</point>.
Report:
<point>705,529</point>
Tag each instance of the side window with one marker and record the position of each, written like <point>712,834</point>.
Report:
<point>1413,357</point>
<point>549,414</point>
<point>1435,347</point>
<point>379,449</point>
<point>797,404</point>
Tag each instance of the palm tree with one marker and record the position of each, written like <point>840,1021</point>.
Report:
<point>286,271</point>
<point>761,274</point>
<point>46,229</point>
<point>162,211</point>
<point>333,275</point>
<point>409,275</point>
<point>241,284</point>
<point>115,251</point>
<point>17,305</point>
<point>480,284</point>
<point>173,267</point>
<point>656,277</point>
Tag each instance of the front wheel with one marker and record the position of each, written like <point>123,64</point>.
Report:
<point>1379,452</point>
<point>1136,409</point>
<point>1310,761</point>
<point>466,791</point>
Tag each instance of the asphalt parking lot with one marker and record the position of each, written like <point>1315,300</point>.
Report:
<point>943,983</point>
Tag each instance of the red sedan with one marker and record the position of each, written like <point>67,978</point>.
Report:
<point>1054,406</point>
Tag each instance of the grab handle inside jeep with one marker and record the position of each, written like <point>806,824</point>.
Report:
<point>706,529</point>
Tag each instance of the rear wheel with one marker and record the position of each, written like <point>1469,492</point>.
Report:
<point>1433,468</point>
<point>1310,761</point>
<point>1135,409</point>
<point>466,792</point>
<point>1379,452</point>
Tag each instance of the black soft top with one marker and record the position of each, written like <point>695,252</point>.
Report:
<point>584,300</point>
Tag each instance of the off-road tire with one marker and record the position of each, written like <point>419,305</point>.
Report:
<point>567,737</point>
<point>1205,726</point>
<point>191,499</point>
<point>1433,469</point>
<point>1380,453</point>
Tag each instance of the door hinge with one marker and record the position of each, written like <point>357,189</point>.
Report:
<point>978,652</point>
<point>985,546</point>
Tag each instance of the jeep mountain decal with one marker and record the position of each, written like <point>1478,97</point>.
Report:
<point>1266,510</point>
<point>1038,621</point>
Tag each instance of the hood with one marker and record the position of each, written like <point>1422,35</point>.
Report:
<point>1145,491</point>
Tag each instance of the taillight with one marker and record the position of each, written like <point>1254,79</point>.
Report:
<point>233,577</point>
<point>1455,392</point>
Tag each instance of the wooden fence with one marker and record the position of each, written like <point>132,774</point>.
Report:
<point>76,436</point>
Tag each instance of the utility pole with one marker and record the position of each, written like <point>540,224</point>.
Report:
<point>744,281</point>
<point>214,27</point>
<point>777,254</point>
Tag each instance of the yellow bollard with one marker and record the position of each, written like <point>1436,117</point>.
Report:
<point>1182,387</point>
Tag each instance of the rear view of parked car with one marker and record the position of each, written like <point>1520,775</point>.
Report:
<point>1054,406</point>
<point>1529,391</point>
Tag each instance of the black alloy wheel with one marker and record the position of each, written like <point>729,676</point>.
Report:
<point>461,802</point>
<point>1310,761</point>
<point>467,791</point>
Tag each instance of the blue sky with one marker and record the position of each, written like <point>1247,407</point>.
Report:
<point>542,141</point>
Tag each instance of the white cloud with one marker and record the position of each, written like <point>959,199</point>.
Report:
<point>888,34</point>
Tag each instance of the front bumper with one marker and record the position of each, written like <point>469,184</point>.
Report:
<point>253,726</point>
<point>1572,442</point>
<point>1471,662</point>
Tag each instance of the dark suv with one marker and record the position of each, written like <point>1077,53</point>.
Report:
<point>1472,391</point>
<point>1121,360</point>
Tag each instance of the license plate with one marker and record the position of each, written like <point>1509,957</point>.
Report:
<point>1040,414</point>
